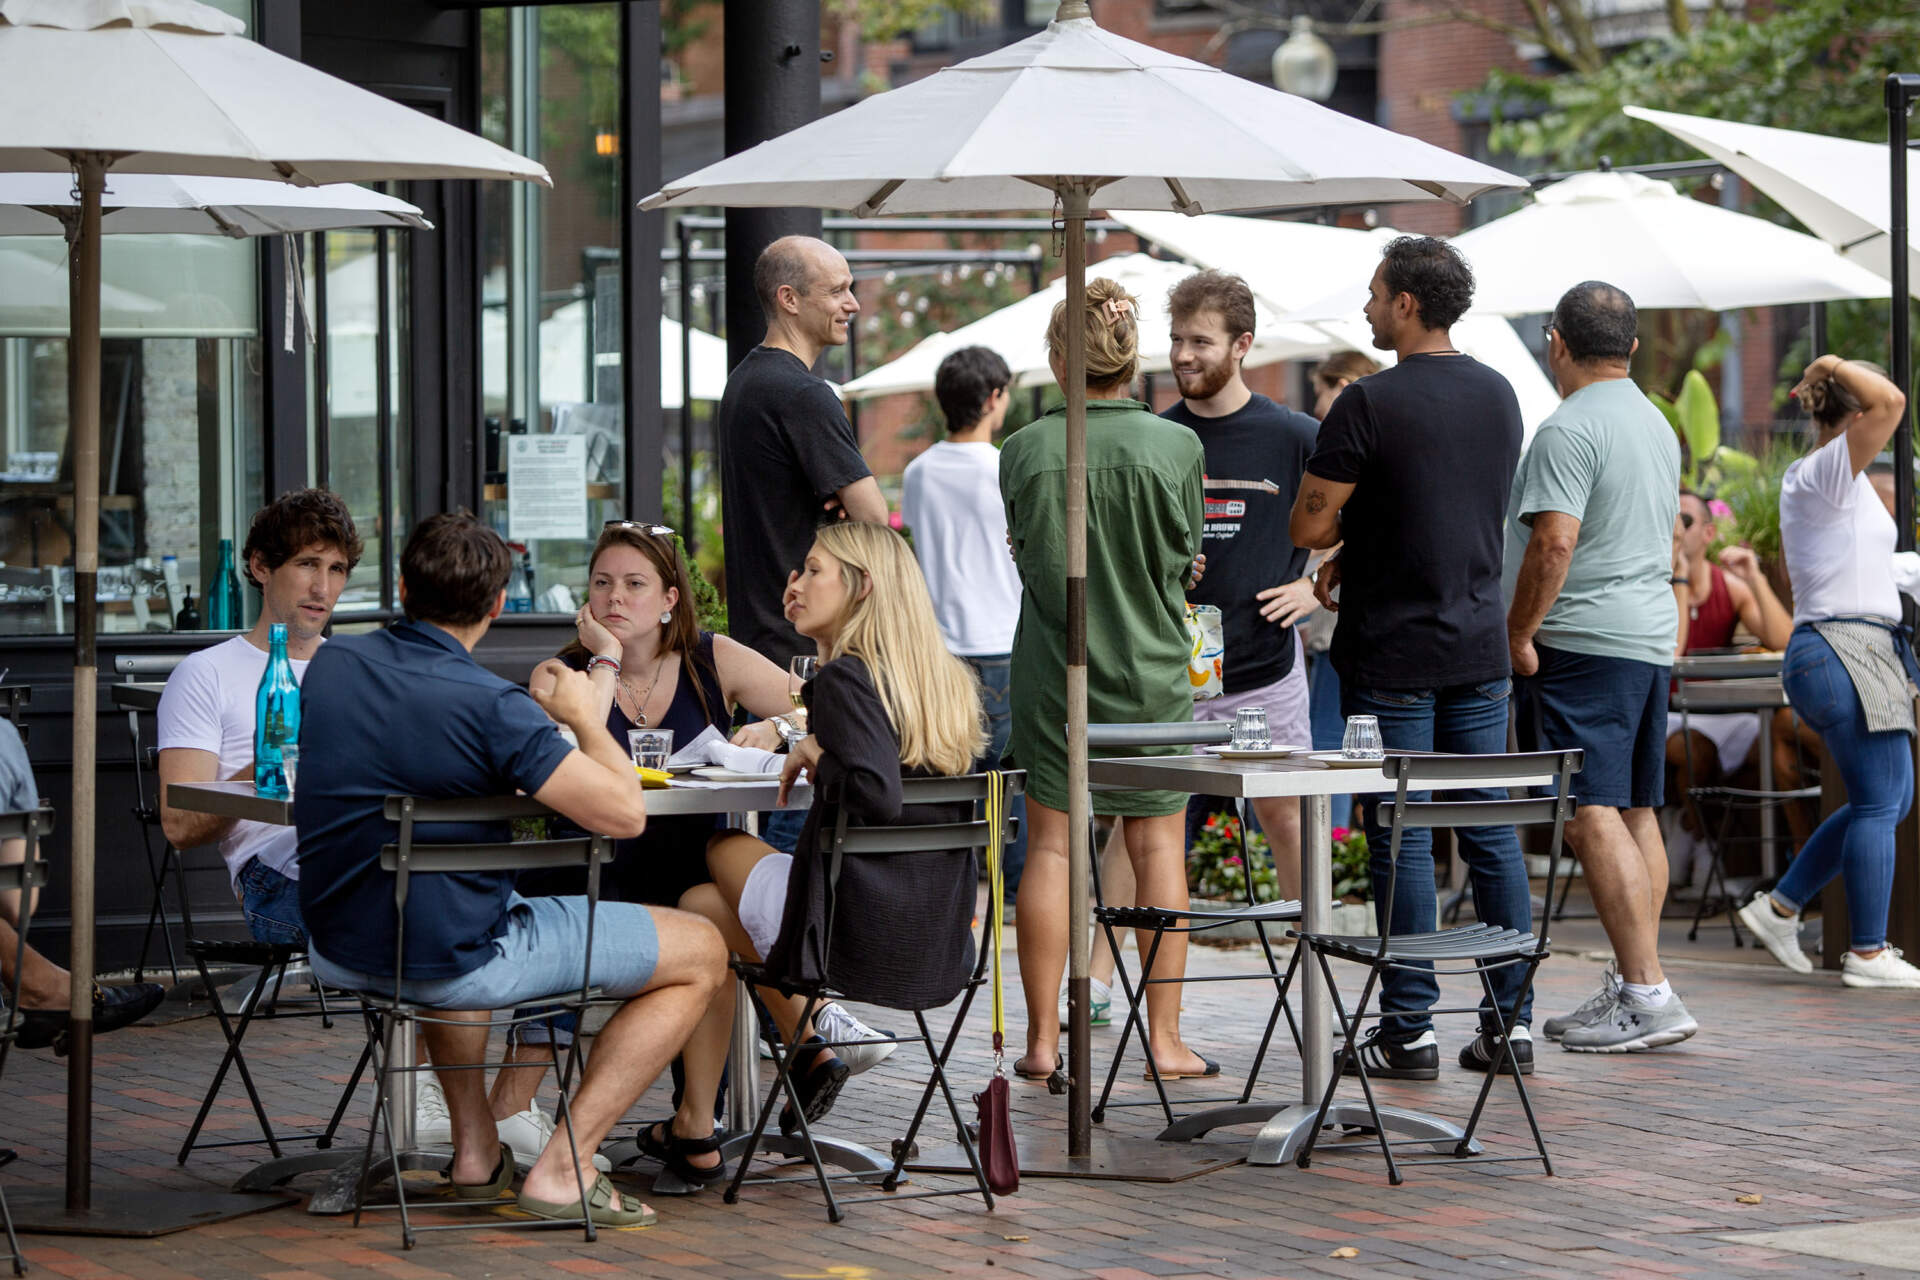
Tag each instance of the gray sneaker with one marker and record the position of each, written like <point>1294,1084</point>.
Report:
<point>1629,1027</point>
<point>1589,1013</point>
<point>1779,934</point>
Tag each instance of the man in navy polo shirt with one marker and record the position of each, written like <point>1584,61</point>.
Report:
<point>407,711</point>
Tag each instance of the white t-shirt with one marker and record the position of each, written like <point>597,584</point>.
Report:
<point>209,706</point>
<point>950,499</point>
<point>1837,537</point>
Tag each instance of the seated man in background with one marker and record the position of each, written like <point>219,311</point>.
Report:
<point>407,711</point>
<point>45,988</point>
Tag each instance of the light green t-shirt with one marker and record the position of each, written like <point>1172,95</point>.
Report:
<point>1608,458</point>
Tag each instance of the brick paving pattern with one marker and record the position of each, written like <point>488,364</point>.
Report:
<point>1797,1090</point>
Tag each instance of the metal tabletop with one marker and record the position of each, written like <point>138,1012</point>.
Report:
<point>1285,1127</point>
<point>1725,666</point>
<point>137,695</point>
<point>238,800</point>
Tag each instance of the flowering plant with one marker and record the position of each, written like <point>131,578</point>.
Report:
<point>1352,872</point>
<point>1215,868</point>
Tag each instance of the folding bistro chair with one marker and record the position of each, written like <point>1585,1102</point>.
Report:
<point>23,878</point>
<point>1162,921</point>
<point>392,1020</point>
<point>841,844</point>
<point>166,863</point>
<point>1476,948</point>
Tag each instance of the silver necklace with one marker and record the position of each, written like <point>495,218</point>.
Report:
<point>639,701</point>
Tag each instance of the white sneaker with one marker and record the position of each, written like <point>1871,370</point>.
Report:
<point>432,1126</point>
<point>527,1132</point>
<point>1099,1005</point>
<point>834,1023</point>
<point>1781,936</point>
<point>1886,969</point>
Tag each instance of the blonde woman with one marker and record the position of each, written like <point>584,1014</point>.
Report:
<point>889,703</point>
<point>1143,534</point>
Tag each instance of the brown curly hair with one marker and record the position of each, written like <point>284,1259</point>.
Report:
<point>1829,403</point>
<point>294,521</point>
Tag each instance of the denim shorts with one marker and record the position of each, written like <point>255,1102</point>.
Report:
<point>1614,709</point>
<point>537,958</point>
<point>271,901</point>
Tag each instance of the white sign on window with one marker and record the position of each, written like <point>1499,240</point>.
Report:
<point>546,487</point>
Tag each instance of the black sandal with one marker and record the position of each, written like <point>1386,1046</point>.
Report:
<point>818,1085</point>
<point>672,1151</point>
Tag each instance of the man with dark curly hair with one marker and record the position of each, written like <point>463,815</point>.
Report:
<point>298,554</point>
<point>1412,469</point>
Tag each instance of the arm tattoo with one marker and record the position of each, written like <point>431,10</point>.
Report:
<point>1316,502</point>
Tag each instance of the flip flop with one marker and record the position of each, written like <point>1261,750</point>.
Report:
<point>1212,1069</point>
<point>490,1190</point>
<point>1059,1065</point>
<point>599,1208</point>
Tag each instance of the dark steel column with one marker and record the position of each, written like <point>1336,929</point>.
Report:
<point>1901,92</point>
<point>283,372</point>
<point>773,86</point>
<point>641,236</point>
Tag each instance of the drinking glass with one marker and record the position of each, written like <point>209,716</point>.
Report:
<point>290,765</point>
<point>802,668</point>
<point>1250,732</point>
<point>1362,739</point>
<point>651,747</point>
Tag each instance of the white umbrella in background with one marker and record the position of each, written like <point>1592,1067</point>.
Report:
<point>1839,188</point>
<point>38,292</point>
<point>563,357</point>
<point>1289,264</point>
<point>171,86</point>
<point>1058,119</point>
<point>1018,332</point>
<point>166,204</point>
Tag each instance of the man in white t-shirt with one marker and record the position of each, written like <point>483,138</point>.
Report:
<point>298,554</point>
<point>950,500</point>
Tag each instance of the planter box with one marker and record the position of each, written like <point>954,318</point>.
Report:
<point>1351,918</point>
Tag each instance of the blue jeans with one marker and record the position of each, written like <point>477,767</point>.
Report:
<point>1329,726</point>
<point>995,672</point>
<point>272,905</point>
<point>1469,719</point>
<point>781,828</point>
<point>1856,840</point>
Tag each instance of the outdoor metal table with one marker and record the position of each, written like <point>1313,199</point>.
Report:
<point>238,800</point>
<point>1285,1126</point>
<point>137,695</point>
<point>1732,682</point>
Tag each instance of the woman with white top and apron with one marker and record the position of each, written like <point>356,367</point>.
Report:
<point>1847,670</point>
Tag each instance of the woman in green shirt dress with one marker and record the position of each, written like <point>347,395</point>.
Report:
<point>1144,486</point>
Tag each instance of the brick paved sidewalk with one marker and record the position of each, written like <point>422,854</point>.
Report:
<point>1797,1090</point>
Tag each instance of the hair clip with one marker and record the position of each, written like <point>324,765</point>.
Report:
<point>1116,308</point>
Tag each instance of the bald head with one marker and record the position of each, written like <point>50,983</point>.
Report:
<point>795,262</point>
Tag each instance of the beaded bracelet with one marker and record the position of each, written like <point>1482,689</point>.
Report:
<point>600,660</point>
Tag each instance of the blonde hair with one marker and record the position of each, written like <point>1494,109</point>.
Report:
<point>1343,366</point>
<point>1111,319</point>
<point>931,696</point>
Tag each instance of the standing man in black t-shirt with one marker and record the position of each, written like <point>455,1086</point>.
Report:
<point>1412,469</point>
<point>1256,453</point>
<point>788,455</point>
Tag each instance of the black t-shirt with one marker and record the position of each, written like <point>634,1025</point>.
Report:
<point>785,448</point>
<point>1430,446</point>
<point>1255,457</point>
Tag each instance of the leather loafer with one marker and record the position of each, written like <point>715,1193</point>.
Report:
<point>113,1008</point>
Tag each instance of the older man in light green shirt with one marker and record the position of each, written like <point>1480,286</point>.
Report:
<point>1591,626</point>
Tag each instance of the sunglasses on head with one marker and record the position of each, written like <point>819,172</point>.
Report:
<point>656,530</point>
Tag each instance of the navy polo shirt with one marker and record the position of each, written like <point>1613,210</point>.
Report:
<point>407,711</point>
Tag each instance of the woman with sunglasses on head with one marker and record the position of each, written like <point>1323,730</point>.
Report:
<point>1848,670</point>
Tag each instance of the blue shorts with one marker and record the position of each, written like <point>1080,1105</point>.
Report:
<point>537,958</point>
<point>1614,709</point>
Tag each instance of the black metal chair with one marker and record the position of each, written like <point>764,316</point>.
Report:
<point>1472,949</point>
<point>1190,920</point>
<point>391,1019</point>
<point>25,878</point>
<point>840,843</point>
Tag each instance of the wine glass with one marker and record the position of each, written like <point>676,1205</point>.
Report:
<point>802,668</point>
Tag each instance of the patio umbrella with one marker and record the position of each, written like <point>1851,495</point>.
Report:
<point>1018,333</point>
<point>1289,264</point>
<point>1640,234</point>
<point>164,204</point>
<point>170,86</point>
<point>1052,122</point>
<point>1839,188</point>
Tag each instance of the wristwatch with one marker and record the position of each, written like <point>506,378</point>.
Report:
<point>789,732</point>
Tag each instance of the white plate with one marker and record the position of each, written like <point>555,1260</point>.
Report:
<point>713,773</point>
<point>1334,760</point>
<point>1235,753</point>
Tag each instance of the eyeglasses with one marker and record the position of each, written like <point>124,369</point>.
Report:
<point>657,530</point>
<point>1686,521</point>
<point>1546,331</point>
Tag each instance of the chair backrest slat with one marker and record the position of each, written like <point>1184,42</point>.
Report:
<point>1476,813</point>
<point>25,824</point>
<point>1177,734</point>
<point>1514,767</point>
<point>527,855</point>
<point>872,841</point>
<point>468,808</point>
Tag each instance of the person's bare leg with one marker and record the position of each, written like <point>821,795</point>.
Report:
<point>516,1086</point>
<point>13,853</point>
<point>730,860</point>
<point>1280,819</point>
<point>1117,888</point>
<point>476,1142</point>
<point>1158,849</point>
<point>1644,826</point>
<point>704,1057</point>
<point>1616,873</point>
<point>1041,933</point>
<point>632,1049</point>
<point>43,984</point>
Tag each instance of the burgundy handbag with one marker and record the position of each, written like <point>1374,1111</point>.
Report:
<point>999,1161</point>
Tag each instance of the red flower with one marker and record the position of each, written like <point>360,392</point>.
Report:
<point>1340,833</point>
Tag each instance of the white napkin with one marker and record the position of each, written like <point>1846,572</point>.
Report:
<point>1906,572</point>
<point>712,747</point>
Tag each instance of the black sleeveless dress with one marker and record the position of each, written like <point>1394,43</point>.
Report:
<point>670,856</point>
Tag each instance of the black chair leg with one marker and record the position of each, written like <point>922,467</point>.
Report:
<point>235,1058</point>
<point>1136,1023</point>
<point>156,910</point>
<point>563,1075</point>
<point>1508,1017</point>
<point>346,1099</point>
<point>6,1219</point>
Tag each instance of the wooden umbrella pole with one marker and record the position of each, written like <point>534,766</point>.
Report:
<point>1073,202</point>
<point>83,356</point>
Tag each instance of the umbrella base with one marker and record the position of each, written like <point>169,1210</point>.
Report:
<point>132,1213</point>
<point>1044,1155</point>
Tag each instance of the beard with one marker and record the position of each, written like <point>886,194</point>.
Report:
<point>1205,382</point>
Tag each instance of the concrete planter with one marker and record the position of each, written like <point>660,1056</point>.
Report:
<point>1350,918</point>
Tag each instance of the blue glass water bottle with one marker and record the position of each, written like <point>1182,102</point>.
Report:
<point>276,719</point>
<point>221,599</point>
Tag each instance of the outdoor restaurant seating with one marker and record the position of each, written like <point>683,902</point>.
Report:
<point>839,844</point>
<point>1470,949</point>
<point>167,862</point>
<point>24,877</point>
<point>393,1021</point>
<point>1162,921</point>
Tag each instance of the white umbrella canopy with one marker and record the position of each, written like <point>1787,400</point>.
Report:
<point>1666,250</point>
<point>167,204</point>
<point>1839,188</point>
<point>1018,333</point>
<point>38,292</point>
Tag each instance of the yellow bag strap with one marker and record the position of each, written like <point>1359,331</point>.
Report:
<point>996,904</point>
